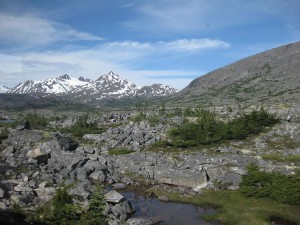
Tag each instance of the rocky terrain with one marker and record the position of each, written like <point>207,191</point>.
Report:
<point>136,148</point>
<point>35,162</point>
<point>271,76</point>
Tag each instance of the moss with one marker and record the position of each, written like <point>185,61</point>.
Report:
<point>121,151</point>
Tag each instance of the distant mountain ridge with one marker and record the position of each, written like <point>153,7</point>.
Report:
<point>269,77</point>
<point>4,89</point>
<point>108,86</point>
<point>61,84</point>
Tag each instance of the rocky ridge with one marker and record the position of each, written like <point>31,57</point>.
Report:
<point>268,77</point>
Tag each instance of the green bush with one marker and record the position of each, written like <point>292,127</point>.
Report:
<point>3,135</point>
<point>209,129</point>
<point>61,210</point>
<point>83,126</point>
<point>279,187</point>
<point>138,118</point>
<point>36,121</point>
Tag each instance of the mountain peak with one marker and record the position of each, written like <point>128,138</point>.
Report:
<point>65,77</point>
<point>111,76</point>
<point>111,73</point>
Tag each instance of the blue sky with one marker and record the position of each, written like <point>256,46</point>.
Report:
<point>144,41</point>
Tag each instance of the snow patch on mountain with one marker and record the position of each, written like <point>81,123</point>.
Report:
<point>156,90</point>
<point>62,84</point>
<point>4,89</point>
<point>107,86</point>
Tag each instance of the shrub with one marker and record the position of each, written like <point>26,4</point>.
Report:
<point>60,209</point>
<point>279,187</point>
<point>3,135</point>
<point>209,129</point>
<point>36,121</point>
<point>83,126</point>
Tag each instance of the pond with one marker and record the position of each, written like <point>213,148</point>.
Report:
<point>3,120</point>
<point>170,213</point>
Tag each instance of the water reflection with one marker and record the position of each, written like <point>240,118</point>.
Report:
<point>169,213</point>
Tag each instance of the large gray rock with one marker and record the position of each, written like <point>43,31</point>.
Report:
<point>65,143</point>
<point>82,189</point>
<point>123,210</point>
<point>22,187</point>
<point>113,197</point>
<point>21,137</point>
<point>98,176</point>
<point>143,221</point>
<point>1,193</point>
<point>185,178</point>
<point>44,192</point>
<point>39,154</point>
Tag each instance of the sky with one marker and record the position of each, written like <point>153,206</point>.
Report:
<point>144,41</point>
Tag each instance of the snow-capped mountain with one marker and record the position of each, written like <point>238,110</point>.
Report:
<point>3,89</point>
<point>108,86</point>
<point>58,85</point>
<point>156,90</point>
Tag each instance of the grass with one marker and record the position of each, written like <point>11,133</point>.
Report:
<point>282,158</point>
<point>283,142</point>
<point>121,151</point>
<point>235,209</point>
<point>3,135</point>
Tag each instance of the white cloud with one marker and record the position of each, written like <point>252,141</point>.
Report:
<point>29,31</point>
<point>123,57</point>
<point>180,45</point>
<point>195,44</point>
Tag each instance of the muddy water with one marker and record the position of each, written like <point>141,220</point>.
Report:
<point>170,213</point>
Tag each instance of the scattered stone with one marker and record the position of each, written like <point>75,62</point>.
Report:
<point>163,198</point>
<point>119,186</point>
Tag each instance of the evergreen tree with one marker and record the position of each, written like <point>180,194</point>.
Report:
<point>95,215</point>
